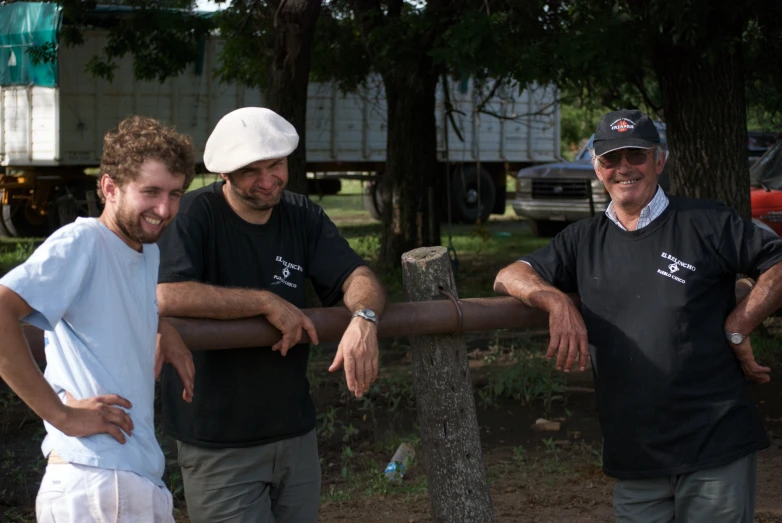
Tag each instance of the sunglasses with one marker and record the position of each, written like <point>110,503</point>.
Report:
<point>614,158</point>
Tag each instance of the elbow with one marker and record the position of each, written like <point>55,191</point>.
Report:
<point>499,282</point>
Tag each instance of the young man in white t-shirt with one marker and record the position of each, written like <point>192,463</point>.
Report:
<point>91,288</point>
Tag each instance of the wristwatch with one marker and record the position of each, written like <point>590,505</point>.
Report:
<point>735,337</point>
<point>367,314</point>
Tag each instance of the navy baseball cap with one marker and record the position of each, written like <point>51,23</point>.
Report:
<point>623,129</point>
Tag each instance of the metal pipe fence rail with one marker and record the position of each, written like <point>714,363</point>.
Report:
<point>445,316</point>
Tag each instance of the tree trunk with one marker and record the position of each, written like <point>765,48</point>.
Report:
<point>287,75</point>
<point>706,117</point>
<point>410,199</point>
<point>450,437</point>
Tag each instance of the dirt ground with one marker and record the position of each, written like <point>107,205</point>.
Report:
<point>534,476</point>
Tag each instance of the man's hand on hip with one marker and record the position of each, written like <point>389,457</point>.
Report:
<point>358,354</point>
<point>96,415</point>
<point>290,321</point>
<point>568,335</point>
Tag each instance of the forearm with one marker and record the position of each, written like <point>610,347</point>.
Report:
<point>764,298</point>
<point>199,300</point>
<point>165,327</point>
<point>522,282</point>
<point>19,370</point>
<point>362,290</point>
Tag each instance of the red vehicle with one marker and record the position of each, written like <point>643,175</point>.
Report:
<point>766,188</point>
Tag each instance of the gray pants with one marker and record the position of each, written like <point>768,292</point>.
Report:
<point>274,483</point>
<point>719,495</point>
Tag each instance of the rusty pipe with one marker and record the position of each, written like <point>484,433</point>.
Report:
<point>443,316</point>
<point>399,319</point>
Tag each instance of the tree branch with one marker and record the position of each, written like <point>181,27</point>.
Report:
<point>369,17</point>
<point>490,95</point>
<point>449,110</point>
<point>645,95</point>
<point>277,14</point>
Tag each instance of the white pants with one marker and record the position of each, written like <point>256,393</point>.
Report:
<point>73,493</point>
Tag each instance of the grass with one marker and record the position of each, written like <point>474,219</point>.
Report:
<point>15,251</point>
<point>478,252</point>
<point>765,347</point>
<point>203,179</point>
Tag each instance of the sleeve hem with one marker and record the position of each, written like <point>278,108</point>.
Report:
<point>333,297</point>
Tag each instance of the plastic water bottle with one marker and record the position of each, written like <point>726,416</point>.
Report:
<point>400,462</point>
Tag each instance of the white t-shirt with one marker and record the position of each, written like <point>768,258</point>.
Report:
<point>95,298</point>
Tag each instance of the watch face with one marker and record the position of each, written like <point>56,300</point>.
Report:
<point>367,314</point>
<point>736,338</point>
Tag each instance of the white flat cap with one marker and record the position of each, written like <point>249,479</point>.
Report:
<point>248,135</point>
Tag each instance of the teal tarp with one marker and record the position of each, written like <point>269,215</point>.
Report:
<point>25,26</point>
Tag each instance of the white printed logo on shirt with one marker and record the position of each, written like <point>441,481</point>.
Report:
<point>286,272</point>
<point>674,267</point>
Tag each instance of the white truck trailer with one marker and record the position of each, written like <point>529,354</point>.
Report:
<point>49,135</point>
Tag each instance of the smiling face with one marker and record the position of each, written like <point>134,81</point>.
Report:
<point>139,211</point>
<point>630,177</point>
<point>258,186</point>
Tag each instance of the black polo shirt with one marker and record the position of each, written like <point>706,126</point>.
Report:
<point>671,395</point>
<point>249,396</point>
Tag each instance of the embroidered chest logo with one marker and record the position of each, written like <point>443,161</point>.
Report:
<point>287,267</point>
<point>675,266</point>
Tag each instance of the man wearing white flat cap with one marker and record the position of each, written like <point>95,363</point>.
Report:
<point>244,247</point>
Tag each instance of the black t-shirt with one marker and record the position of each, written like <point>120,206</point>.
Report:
<point>671,395</point>
<point>249,396</point>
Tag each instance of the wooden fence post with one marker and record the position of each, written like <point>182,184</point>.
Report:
<point>450,435</point>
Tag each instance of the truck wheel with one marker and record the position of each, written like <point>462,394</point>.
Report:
<point>5,220</point>
<point>15,221</point>
<point>545,228</point>
<point>373,200</point>
<point>74,201</point>
<point>3,217</point>
<point>465,194</point>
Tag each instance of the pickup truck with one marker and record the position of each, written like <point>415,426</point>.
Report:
<point>552,195</point>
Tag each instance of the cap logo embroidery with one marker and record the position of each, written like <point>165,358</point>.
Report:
<point>621,125</point>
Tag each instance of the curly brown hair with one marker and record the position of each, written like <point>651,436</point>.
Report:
<point>140,138</point>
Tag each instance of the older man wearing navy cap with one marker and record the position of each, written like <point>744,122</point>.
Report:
<point>244,247</point>
<point>658,316</point>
